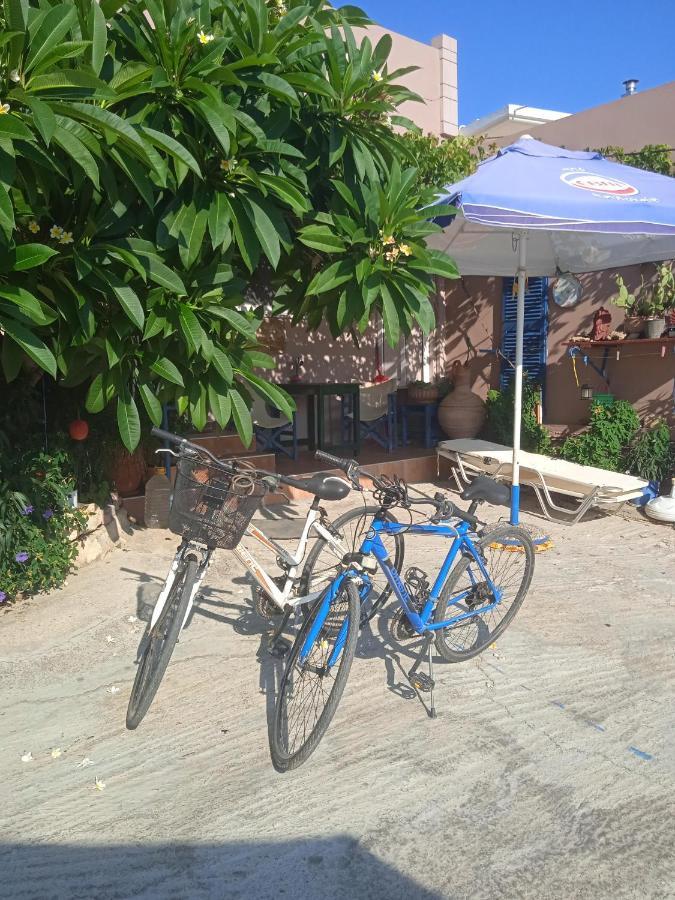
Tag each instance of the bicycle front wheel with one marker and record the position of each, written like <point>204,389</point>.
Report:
<point>324,560</point>
<point>311,689</point>
<point>160,642</point>
<point>507,555</point>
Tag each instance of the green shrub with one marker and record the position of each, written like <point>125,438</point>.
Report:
<point>37,523</point>
<point>611,429</point>
<point>499,421</point>
<point>649,455</point>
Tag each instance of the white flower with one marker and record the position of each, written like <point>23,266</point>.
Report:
<point>110,639</point>
<point>204,38</point>
<point>4,109</point>
<point>33,227</point>
<point>66,237</point>
<point>132,619</point>
<point>85,762</point>
<point>99,785</point>
<point>114,689</point>
<point>56,752</point>
<point>27,757</point>
<point>14,75</point>
<point>377,76</point>
<point>55,232</point>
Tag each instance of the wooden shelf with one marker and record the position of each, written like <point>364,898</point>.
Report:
<point>630,342</point>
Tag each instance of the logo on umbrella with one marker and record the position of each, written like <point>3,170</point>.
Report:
<point>599,184</point>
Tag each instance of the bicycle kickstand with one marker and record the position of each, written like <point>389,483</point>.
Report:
<point>279,646</point>
<point>420,681</point>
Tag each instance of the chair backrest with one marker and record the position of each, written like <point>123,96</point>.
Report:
<point>374,399</point>
<point>261,413</point>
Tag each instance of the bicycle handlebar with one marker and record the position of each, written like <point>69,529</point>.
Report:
<point>339,462</point>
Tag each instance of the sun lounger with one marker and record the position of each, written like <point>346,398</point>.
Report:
<point>589,486</point>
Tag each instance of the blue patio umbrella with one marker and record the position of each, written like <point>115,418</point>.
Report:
<point>535,209</point>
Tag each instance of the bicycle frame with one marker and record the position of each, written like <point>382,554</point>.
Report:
<point>461,543</point>
<point>280,596</point>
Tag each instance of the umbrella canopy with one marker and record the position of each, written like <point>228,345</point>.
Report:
<point>534,209</point>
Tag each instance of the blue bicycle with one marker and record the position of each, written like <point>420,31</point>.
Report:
<point>478,590</point>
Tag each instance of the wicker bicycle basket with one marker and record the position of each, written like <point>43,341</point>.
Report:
<point>211,506</point>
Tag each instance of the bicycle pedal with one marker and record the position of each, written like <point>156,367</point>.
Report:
<point>279,648</point>
<point>421,682</point>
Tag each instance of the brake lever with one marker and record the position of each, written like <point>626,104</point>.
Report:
<point>167,450</point>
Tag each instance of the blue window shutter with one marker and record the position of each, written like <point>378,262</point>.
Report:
<point>535,342</point>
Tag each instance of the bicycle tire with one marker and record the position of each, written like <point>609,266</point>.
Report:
<point>286,753</point>
<point>372,603</point>
<point>505,540</point>
<point>161,641</point>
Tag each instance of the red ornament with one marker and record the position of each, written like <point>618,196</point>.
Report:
<point>78,430</point>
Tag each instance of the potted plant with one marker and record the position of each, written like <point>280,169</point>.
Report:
<point>422,392</point>
<point>646,308</point>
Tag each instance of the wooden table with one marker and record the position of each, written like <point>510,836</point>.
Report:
<point>316,394</point>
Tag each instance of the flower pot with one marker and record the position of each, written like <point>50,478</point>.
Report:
<point>634,326</point>
<point>461,412</point>
<point>422,393</point>
<point>655,327</point>
<point>127,471</point>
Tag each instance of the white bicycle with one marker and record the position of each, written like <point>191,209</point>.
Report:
<point>212,506</point>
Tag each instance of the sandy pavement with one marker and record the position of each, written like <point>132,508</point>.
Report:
<point>550,772</point>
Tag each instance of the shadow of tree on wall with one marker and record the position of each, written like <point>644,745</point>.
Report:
<point>308,869</point>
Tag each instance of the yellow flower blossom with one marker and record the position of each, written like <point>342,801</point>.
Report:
<point>228,164</point>
<point>33,227</point>
<point>4,109</point>
<point>388,239</point>
<point>405,249</point>
<point>204,38</point>
<point>55,232</point>
<point>66,238</point>
<point>377,76</point>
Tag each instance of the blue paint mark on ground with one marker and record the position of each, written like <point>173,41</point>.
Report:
<point>596,725</point>
<point>640,753</point>
<point>558,704</point>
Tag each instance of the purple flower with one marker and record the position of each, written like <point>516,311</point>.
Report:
<point>47,514</point>
<point>27,510</point>
<point>22,557</point>
<point>3,596</point>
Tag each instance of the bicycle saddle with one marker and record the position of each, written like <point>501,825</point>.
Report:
<point>326,487</point>
<point>484,488</point>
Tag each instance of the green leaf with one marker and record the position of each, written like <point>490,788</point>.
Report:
<point>326,279</point>
<point>390,316</point>
<point>78,153</point>
<point>219,403</point>
<point>190,327</point>
<point>172,147</point>
<point>322,237</point>
<point>192,237</point>
<point>28,256</point>
<point>242,417</point>
<point>27,304</point>
<point>273,394</point>
<point>99,37</point>
<point>31,344</point>
<point>235,319</point>
<point>265,230</point>
<point>440,264</point>
<point>97,397</point>
<point>211,115</point>
<point>43,117</point>
<point>128,421</point>
<point>283,188</point>
<point>218,220</point>
<point>221,363</point>
<point>153,325</point>
<point>53,28</point>
<point>64,79</point>
<point>198,412</point>
<point>12,127</point>
<point>128,299</point>
<point>168,371</point>
<point>6,212</point>
<point>279,87</point>
<point>312,84</point>
<point>152,405</point>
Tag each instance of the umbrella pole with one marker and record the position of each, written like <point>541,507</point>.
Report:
<point>518,381</point>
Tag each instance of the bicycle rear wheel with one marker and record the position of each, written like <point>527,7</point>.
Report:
<point>310,691</point>
<point>324,561</point>
<point>508,556</point>
<point>160,642</point>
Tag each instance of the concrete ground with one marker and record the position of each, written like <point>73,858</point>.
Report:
<point>550,772</point>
